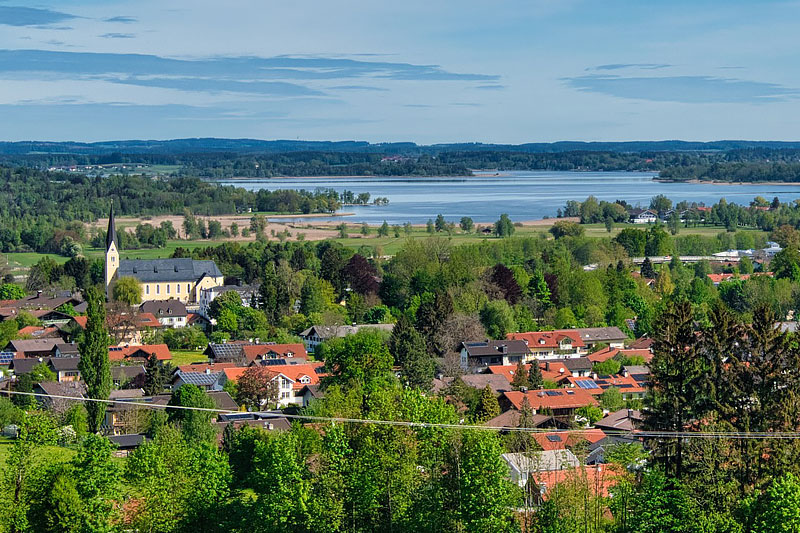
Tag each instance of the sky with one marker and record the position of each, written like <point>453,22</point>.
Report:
<point>494,71</point>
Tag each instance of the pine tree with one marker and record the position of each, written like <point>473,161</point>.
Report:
<point>94,365</point>
<point>488,406</point>
<point>535,379</point>
<point>540,291</point>
<point>676,383</point>
<point>647,270</point>
<point>520,377</point>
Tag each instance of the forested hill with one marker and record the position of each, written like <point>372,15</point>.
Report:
<point>200,145</point>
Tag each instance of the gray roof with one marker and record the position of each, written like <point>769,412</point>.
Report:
<point>201,379</point>
<point>607,334</point>
<point>637,369</point>
<point>226,350</point>
<point>542,461</point>
<point>124,372</point>
<point>496,382</point>
<point>576,364</point>
<point>330,332</point>
<point>63,364</point>
<point>493,348</point>
<point>25,365</point>
<point>182,269</point>
<point>33,345</point>
<point>128,441</point>
<point>67,347</point>
<point>74,389</point>
<point>126,394</point>
<point>164,308</point>
<point>622,420</point>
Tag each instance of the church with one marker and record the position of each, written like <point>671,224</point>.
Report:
<point>161,279</point>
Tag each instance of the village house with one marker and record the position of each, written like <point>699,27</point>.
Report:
<point>170,313</point>
<point>208,295</point>
<point>643,216</point>
<point>140,353</point>
<point>316,335</point>
<point>522,466</point>
<point>479,354</point>
<point>560,402</point>
<point>596,385</point>
<point>544,345</point>
<point>291,380</point>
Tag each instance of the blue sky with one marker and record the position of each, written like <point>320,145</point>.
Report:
<point>505,71</point>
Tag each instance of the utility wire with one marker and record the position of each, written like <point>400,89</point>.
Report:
<point>756,435</point>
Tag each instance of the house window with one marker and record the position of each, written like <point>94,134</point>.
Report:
<point>285,395</point>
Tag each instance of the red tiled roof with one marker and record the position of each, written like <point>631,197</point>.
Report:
<point>81,321</point>
<point>508,371</point>
<point>564,399</point>
<point>37,331</point>
<point>548,339</point>
<point>719,278</point>
<point>603,355</point>
<point>292,372</point>
<point>276,351</point>
<point>626,385</point>
<point>119,353</point>
<point>147,320</point>
<point>599,478</point>
<point>567,438</point>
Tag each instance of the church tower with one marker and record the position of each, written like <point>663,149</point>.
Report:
<point>112,250</point>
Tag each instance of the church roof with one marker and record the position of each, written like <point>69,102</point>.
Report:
<point>159,270</point>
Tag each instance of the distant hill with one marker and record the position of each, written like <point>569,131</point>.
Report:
<point>244,146</point>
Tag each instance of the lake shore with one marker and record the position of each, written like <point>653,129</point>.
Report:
<point>717,182</point>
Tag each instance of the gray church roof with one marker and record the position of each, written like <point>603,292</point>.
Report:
<point>158,270</point>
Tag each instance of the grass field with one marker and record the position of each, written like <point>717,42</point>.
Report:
<point>51,453</point>
<point>181,357</point>
<point>388,245</point>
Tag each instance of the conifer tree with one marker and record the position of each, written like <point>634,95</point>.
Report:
<point>488,406</point>
<point>520,377</point>
<point>535,379</point>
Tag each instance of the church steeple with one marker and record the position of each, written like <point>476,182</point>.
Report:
<point>111,234</point>
<point>112,250</point>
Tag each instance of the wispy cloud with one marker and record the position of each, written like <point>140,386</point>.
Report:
<point>122,19</point>
<point>490,87</point>
<point>685,89</point>
<point>118,36</point>
<point>640,66</point>
<point>29,16</point>
<point>234,68</point>
<point>274,88</point>
<point>358,88</point>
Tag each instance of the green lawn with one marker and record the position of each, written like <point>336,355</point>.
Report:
<point>183,357</point>
<point>389,245</point>
<point>50,453</point>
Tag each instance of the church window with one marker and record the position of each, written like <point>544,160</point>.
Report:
<point>167,288</point>
<point>158,288</point>
<point>147,289</point>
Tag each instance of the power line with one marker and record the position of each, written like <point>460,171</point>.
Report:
<point>738,435</point>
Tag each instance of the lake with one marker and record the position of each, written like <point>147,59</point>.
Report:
<point>523,195</point>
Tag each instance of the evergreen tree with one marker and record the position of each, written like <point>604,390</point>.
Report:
<point>677,370</point>
<point>535,379</point>
<point>647,270</point>
<point>488,406</point>
<point>157,375</point>
<point>94,364</point>
<point>520,377</point>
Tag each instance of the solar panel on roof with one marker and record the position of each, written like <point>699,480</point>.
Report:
<point>625,386</point>
<point>6,358</point>
<point>553,393</point>
<point>554,438</point>
<point>586,383</point>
